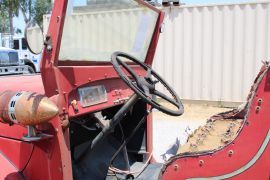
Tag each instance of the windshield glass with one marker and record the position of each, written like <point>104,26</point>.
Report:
<point>94,29</point>
<point>8,58</point>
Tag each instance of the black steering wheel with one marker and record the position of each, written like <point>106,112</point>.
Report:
<point>144,87</point>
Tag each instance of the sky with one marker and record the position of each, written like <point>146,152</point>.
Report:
<point>19,22</point>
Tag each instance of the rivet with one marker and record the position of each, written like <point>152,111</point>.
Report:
<point>176,167</point>
<point>201,162</point>
<point>230,153</point>
<point>89,79</point>
<point>260,102</point>
<point>58,19</point>
<point>258,108</point>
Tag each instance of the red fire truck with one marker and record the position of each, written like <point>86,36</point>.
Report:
<point>89,114</point>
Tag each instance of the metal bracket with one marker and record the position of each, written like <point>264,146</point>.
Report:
<point>32,135</point>
<point>168,2</point>
<point>48,43</point>
<point>64,119</point>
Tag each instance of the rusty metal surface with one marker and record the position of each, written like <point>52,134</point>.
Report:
<point>26,108</point>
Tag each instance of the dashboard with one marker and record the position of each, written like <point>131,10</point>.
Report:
<point>98,95</point>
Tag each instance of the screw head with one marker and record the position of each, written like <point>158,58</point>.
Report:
<point>260,101</point>
<point>230,153</point>
<point>258,108</point>
<point>176,167</point>
<point>201,162</point>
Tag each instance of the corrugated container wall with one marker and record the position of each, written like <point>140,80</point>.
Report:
<point>214,52</point>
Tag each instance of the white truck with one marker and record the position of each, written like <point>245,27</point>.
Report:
<point>20,45</point>
<point>30,59</point>
<point>10,64</point>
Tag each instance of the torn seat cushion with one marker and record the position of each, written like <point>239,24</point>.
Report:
<point>214,135</point>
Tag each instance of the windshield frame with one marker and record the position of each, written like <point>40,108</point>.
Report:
<point>149,53</point>
<point>62,77</point>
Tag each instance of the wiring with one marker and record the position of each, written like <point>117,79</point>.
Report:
<point>116,170</point>
<point>119,171</point>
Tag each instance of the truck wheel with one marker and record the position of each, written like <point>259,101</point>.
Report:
<point>31,70</point>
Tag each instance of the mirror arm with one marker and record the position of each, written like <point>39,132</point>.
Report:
<point>48,43</point>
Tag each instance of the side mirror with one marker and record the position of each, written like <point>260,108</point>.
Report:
<point>34,37</point>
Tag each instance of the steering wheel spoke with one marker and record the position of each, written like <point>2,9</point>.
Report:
<point>155,82</point>
<point>165,97</point>
<point>129,70</point>
<point>149,73</point>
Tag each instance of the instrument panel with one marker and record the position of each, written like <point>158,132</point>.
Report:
<point>98,95</point>
<point>92,95</point>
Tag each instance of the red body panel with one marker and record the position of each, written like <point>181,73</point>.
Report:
<point>31,83</point>
<point>8,170</point>
<point>45,162</point>
<point>250,158</point>
<point>23,150</point>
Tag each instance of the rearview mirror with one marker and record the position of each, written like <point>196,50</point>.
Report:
<point>34,37</point>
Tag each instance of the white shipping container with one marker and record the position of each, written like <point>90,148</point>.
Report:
<point>214,52</point>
